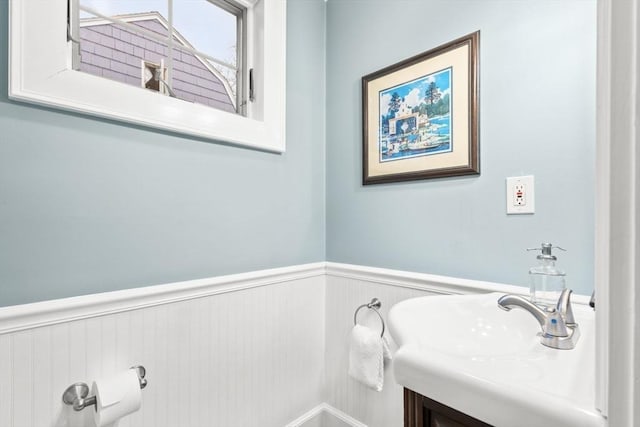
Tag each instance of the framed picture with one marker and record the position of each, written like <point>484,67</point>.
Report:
<point>420,116</point>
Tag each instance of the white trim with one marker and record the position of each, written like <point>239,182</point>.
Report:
<point>327,409</point>
<point>307,416</point>
<point>342,416</point>
<point>127,18</point>
<point>34,315</point>
<point>617,273</point>
<point>602,216</point>
<point>40,72</point>
<point>429,282</point>
<point>247,3</point>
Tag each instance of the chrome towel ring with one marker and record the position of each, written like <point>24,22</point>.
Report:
<point>374,305</point>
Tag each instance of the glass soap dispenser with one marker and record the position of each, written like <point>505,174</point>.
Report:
<point>547,281</point>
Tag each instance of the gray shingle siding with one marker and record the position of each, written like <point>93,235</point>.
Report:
<point>153,25</point>
<point>117,53</point>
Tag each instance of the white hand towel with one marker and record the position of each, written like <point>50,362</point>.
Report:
<point>386,351</point>
<point>367,352</point>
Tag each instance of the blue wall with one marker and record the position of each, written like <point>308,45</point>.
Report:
<point>88,205</point>
<point>537,116</point>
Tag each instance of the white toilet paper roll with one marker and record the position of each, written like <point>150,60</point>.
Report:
<point>116,396</point>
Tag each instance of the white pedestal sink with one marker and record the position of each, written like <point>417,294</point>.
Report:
<point>465,352</point>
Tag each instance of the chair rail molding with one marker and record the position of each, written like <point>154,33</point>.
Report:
<point>34,315</point>
<point>433,283</point>
<point>28,316</point>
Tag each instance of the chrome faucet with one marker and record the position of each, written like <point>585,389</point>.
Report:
<point>564,307</point>
<point>559,328</point>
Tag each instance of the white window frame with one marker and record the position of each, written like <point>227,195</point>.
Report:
<point>163,68</point>
<point>41,72</point>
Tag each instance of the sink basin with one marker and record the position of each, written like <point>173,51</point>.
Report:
<point>465,352</point>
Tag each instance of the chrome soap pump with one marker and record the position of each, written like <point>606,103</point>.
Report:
<point>547,281</point>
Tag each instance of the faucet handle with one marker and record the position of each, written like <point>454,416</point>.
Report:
<point>564,307</point>
<point>555,326</point>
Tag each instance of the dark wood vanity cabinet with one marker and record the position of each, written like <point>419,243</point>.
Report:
<point>420,411</point>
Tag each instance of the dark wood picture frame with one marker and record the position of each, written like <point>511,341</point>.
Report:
<point>420,116</point>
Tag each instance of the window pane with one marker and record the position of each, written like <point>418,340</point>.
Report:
<point>207,27</point>
<point>122,53</point>
<point>195,79</point>
<point>199,64</point>
<point>213,30</point>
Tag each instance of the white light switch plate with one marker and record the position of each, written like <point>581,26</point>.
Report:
<point>520,195</point>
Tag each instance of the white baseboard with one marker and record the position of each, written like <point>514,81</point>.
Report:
<point>327,409</point>
<point>342,416</point>
<point>307,416</point>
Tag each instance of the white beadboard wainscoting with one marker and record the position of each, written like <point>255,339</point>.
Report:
<point>343,295</point>
<point>347,287</point>
<point>236,351</point>
<point>267,348</point>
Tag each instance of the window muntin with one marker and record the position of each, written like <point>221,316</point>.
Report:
<point>205,68</point>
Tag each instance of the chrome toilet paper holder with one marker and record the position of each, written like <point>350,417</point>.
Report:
<point>76,394</point>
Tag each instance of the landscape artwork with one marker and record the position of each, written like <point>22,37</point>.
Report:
<point>415,118</point>
<point>420,115</point>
